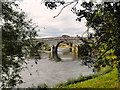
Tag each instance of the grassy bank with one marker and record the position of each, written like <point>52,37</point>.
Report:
<point>82,78</point>
<point>109,80</point>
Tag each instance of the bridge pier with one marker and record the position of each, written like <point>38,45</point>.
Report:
<point>78,51</point>
<point>75,51</point>
<point>70,47</point>
<point>54,54</point>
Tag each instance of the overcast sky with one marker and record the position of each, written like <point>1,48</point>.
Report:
<point>64,24</point>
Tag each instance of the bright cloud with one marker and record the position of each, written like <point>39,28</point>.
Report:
<point>65,23</point>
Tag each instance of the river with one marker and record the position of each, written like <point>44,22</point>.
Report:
<point>51,72</point>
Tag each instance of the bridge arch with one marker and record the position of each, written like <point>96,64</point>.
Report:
<point>63,42</point>
<point>74,50</point>
<point>59,44</point>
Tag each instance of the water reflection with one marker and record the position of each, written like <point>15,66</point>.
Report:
<point>66,53</point>
<point>51,72</point>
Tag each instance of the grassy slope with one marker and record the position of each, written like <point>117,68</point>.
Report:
<point>109,80</point>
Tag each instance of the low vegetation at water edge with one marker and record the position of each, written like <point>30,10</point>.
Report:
<point>82,78</point>
<point>109,80</point>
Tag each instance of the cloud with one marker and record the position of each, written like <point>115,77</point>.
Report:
<point>65,23</point>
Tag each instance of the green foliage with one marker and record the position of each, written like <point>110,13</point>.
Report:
<point>85,50</point>
<point>109,80</point>
<point>86,53</point>
<point>17,35</point>
<point>45,47</point>
<point>62,45</point>
<point>104,20</point>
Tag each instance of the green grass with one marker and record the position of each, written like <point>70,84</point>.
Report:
<point>109,80</point>
<point>82,78</point>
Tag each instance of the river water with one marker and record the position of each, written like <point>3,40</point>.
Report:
<point>51,72</point>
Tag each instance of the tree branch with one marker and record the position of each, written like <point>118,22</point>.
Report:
<point>65,7</point>
<point>105,52</point>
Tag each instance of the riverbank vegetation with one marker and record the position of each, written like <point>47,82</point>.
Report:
<point>82,78</point>
<point>109,80</point>
<point>61,45</point>
<point>45,47</point>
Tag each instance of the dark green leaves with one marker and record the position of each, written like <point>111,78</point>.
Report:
<point>17,35</point>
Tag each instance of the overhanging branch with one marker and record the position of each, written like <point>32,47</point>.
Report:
<point>66,6</point>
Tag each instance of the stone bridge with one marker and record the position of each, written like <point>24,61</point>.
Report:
<point>54,42</point>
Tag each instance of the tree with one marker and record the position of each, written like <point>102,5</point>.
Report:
<point>104,19</point>
<point>18,33</point>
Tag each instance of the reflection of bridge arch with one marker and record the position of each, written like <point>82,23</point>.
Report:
<point>55,41</point>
